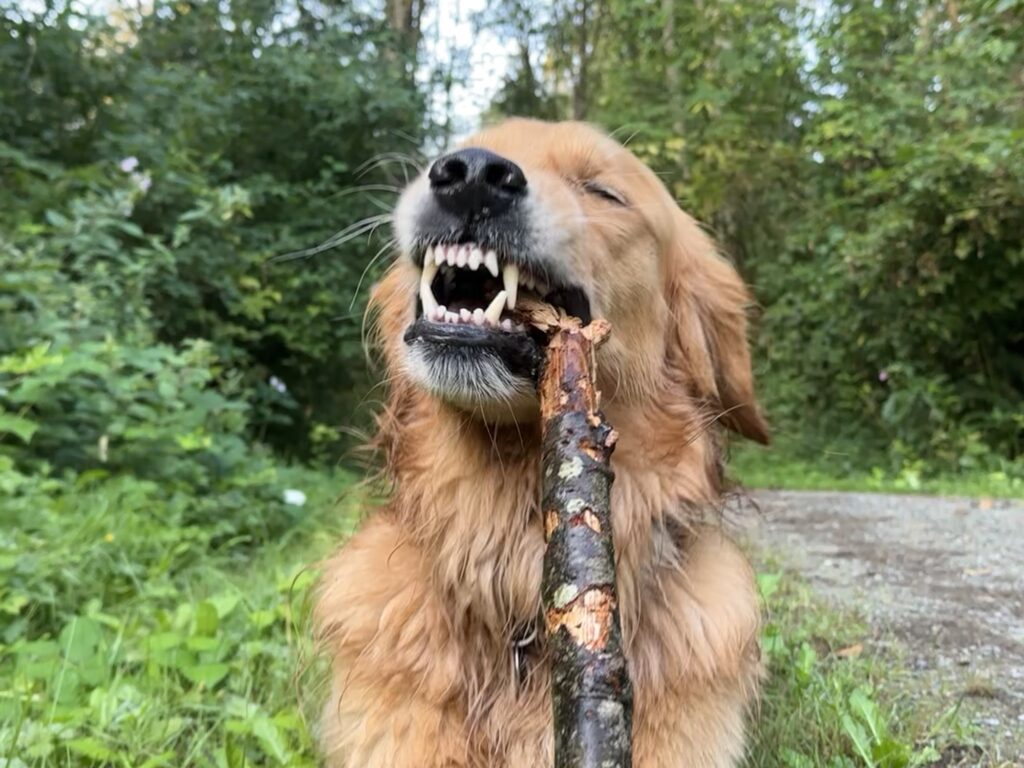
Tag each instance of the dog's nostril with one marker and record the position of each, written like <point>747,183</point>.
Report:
<point>505,175</point>
<point>448,170</point>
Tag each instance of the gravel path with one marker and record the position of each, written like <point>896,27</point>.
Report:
<point>943,577</point>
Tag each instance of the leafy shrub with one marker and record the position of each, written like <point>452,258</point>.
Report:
<point>131,634</point>
<point>156,181</point>
<point>894,312</point>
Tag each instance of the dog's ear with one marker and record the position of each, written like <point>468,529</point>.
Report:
<point>708,343</point>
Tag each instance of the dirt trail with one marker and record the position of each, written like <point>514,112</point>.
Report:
<point>943,577</point>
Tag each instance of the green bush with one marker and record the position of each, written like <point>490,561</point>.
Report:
<point>154,184</point>
<point>860,162</point>
<point>134,630</point>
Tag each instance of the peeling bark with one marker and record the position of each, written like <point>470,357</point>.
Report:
<point>591,691</point>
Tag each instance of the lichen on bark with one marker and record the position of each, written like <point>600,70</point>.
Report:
<point>592,695</point>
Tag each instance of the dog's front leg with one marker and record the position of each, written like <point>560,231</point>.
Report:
<point>396,729</point>
<point>395,700</point>
<point>696,660</point>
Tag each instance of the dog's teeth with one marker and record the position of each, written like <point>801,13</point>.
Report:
<point>478,316</point>
<point>476,258</point>
<point>462,256</point>
<point>439,313</point>
<point>542,288</point>
<point>510,276</point>
<point>429,270</point>
<point>465,315</point>
<point>428,300</point>
<point>451,317</point>
<point>427,295</point>
<point>493,311</point>
<point>439,255</point>
<point>506,324</point>
<point>453,251</point>
<point>491,262</point>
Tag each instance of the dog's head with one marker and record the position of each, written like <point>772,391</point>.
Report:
<point>562,213</point>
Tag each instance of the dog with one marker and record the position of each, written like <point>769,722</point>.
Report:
<point>430,613</point>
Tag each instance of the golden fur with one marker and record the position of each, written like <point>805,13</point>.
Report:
<point>419,609</point>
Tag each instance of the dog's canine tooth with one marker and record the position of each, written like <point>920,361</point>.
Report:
<point>476,257</point>
<point>510,276</point>
<point>426,294</point>
<point>493,311</point>
<point>491,262</point>
<point>430,268</point>
<point>428,300</point>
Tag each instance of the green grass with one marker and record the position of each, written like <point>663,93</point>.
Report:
<point>133,637</point>
<point>829,701</point>
<point>149,645</point>
<point>783,466</point>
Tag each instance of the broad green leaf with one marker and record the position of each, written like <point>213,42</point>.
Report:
<point>207,619</point>
<point>270,738</point>
<point>21,428</point>
<point>859,738</point>
<point>91,748</point>
<point>206,674</point>
<point>80,639</point>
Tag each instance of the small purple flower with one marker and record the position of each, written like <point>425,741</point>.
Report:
<point>129,164</point>
<point>277,384</point>
<point>883,375</point>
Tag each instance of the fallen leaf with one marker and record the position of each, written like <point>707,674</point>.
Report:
<point>851,651</point>
<point>977,571</point>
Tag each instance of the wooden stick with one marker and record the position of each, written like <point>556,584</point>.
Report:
<point>591,692</point>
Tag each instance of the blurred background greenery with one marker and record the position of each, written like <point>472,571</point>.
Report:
<point>166,381</point>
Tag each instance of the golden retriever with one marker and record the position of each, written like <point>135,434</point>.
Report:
<point>430,613</point>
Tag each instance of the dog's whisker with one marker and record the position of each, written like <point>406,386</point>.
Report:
<point>363,188</point>
<point>351,232</point>
<point>359,284</point>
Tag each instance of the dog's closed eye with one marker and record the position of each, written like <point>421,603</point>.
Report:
<point>602,190</point>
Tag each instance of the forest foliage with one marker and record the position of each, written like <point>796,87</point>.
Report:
<point>161,364</point>
<point>159,368</point>
<point>862,164</point>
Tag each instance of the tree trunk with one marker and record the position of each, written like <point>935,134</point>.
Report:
<point>674,86</point>
<point>580,86</point>
<point>591,691</point>
<point>404,18</point>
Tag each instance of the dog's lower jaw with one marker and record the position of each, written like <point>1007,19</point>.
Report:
<point>482,388</point>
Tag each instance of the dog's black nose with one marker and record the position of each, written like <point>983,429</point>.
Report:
<point>476,183</point>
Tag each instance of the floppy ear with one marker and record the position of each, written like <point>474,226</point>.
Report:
<point>708,348</point>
